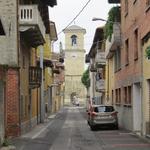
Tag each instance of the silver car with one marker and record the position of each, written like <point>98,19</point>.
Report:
<point>99,115</point>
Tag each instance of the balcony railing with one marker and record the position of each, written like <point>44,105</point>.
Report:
<point>93,68</point>
<point>115,42</point>
<point>30,20</point>
<point>100,85</point>
<point>100,59</point>
<point>35,76</point>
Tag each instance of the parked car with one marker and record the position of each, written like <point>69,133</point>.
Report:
<point>99,115</point>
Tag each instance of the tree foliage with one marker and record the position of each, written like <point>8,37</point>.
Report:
<point>86,79</point>
<point>113,16</point>
<point>148,52</point>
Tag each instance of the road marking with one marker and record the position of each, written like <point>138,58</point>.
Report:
<point>38,133</point>
<point>131,145</point>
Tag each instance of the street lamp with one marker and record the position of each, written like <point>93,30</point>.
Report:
<point>101,19</point>
<point>95,19</point>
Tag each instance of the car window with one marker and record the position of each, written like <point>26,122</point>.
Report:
<point>104,109</point>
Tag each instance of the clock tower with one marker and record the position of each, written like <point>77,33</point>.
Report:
<point>74,64</point>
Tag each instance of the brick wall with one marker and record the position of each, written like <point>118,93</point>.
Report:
<point>12,103</point>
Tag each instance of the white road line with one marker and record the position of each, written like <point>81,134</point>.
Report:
<point>37,134</point>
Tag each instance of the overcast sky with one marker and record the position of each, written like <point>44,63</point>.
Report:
<point>66,10</point>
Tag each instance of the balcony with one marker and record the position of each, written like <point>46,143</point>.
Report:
<point>113,1</point>
<point>93,68</point>
<point>100,59</point>
<point>35,76</point>
<point>100,85</point>
<point>115,42</point>
<point>31,25</point>
<point>56,71</point>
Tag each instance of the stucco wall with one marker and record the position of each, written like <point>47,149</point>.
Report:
<point>8,46</point>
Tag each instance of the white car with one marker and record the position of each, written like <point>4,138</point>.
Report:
<point>99,115</point>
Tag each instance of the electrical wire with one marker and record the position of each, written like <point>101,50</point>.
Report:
<point>75,17</point>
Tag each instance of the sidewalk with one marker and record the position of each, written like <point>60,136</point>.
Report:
<point>35,132</point>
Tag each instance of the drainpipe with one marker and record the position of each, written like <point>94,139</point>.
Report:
<point>42,103</point>
<point>142,80</point>
<point>18,53</point>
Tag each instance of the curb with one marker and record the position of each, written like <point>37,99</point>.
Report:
<point>8,148</point>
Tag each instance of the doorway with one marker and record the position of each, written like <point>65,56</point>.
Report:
<point>137,110</point>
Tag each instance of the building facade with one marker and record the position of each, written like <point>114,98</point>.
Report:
<point>131,75</point>
<point>74,64</point>
<point>97,68</point>
<point>20,77</point>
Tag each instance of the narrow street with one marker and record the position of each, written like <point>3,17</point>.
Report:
<point>68,130</point>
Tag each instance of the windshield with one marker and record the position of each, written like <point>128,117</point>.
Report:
<point>104,109</point>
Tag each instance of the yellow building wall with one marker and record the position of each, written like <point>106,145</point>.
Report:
<point>146,77</point>
<point>47,75</point>
<point>109,84</point>
<point>34,94</point>
<point>74,62</point>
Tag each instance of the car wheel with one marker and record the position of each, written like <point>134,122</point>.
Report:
<point>116,127</point>
<point>88,123</point>
<point>93,128</point>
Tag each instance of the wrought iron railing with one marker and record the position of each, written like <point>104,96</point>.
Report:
<point>35,76</point>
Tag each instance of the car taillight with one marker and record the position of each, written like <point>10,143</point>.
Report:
<point>94,114</point>
<point>114,114</point>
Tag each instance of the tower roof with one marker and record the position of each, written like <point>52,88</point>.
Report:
<point>74,28</point>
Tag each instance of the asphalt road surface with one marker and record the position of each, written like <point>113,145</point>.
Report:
<point>68,130</point>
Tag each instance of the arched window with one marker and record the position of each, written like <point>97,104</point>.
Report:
<point>73,40</point>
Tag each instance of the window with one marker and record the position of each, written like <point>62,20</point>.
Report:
<point>127,95</point>
<point>127,52</point>
<point>112,94</point>
<point>104,109</point>
<point>147,2</point>
<point>126,7</point>
<point>118,96</point>
<point>73,40</point>
<point>136,44</point>
<point>147,5</point>
<point>23,62</point>
<point>118,59</point>
<point>2,32</point>
<point>134,1</point>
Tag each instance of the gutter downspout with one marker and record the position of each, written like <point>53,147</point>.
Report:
<point>142,79</point>
<point>42,103</point>
<point>18,48</point>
